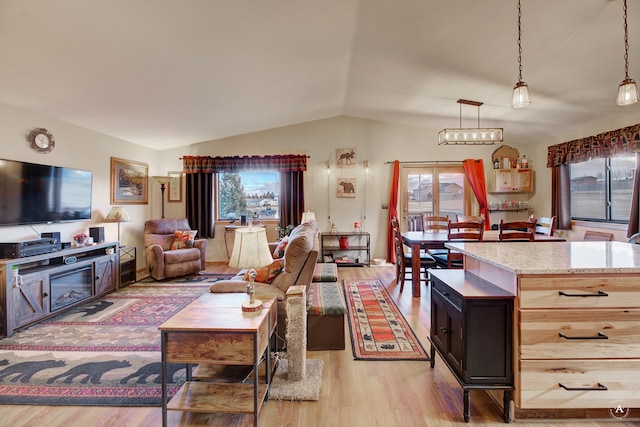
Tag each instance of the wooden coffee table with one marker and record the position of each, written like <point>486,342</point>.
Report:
<point>213,330</point>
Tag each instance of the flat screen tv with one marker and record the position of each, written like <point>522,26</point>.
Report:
<point>33,194</point>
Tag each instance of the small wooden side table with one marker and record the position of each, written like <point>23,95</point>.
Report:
<point>214,330</point>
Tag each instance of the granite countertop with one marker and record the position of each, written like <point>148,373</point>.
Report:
<point>556,257</point>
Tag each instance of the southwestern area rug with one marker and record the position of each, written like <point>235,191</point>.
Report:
<point>379,331</point>
<point>105,352</point>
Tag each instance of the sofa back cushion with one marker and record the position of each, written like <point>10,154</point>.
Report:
<point>296,255</point>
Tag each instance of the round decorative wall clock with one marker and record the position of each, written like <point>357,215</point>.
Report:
<point>42,140</point>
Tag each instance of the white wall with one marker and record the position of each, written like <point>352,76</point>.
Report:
<point>84,149</point>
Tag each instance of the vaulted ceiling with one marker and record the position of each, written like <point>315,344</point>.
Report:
<point>167,73</point>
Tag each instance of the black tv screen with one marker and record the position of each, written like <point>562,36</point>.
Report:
<point>31,193</point>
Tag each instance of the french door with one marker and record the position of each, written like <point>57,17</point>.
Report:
<point>434,189</point>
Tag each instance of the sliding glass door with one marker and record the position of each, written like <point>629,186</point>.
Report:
<point>434,189</point>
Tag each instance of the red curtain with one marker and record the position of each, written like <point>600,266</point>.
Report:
<point>393,211</point>
<point>474,171</point>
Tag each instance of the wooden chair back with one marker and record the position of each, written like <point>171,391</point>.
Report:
<point>597,236</point>
<point>462,232</point>
<point>470,218</point>
<point>517,230</point>
<point>471,230</point>
<point>546,225</point>
<point>435,223</point>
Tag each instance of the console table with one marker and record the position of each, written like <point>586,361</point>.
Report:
<point>51,283</point>
<point>213,330</point>
<point>471,329</point>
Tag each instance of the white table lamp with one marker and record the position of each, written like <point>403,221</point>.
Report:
<point>308,216</point>
<point>251,250</point>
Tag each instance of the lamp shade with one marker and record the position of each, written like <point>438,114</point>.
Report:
<point>162,179</point>
<point>250,248</point>
<point>308,216</point>
<point>627,92</point>
<point>117,214</point>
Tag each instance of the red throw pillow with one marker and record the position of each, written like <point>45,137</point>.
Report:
<point>177,240</point>
<point>279,251</point>
<point>183,239</point>
<point>268,273</point>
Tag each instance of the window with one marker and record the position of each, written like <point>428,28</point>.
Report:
<point>601,189</point>
<point>254,194</point>
<point>436,190</point>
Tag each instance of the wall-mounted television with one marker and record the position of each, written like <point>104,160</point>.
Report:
<point>31,193</point>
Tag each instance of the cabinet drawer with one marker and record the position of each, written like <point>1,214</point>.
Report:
<point>448,294</point>
<point>579,292</point>
<point>587,334</point>
<point>592,383</point>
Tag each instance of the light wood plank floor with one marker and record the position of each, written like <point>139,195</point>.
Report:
<point>354,393</point>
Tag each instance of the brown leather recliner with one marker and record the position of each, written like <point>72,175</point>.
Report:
<point>162,261</point>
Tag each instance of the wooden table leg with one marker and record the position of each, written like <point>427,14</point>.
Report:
<point>467,406</point>
<point>415,270</point>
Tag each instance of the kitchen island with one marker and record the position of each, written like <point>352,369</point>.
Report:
<point>576,324</point>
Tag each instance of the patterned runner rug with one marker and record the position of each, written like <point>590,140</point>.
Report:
<point>379,331</point>
<point>105,352</point>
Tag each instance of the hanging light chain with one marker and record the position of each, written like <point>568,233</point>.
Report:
<point>626,42</point>
<point>520,42</point>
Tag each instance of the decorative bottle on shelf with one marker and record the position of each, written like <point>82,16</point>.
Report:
<point>506,163</point>
<point>525,162</point>
<point>496,164</point>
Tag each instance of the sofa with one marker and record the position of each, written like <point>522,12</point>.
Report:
<point>300,258</point>
<point>168,255</point>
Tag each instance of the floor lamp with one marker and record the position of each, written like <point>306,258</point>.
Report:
<point>163,181</point>
<point>118,214</point>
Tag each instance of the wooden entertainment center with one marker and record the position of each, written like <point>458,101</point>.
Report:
<point>49,284</point>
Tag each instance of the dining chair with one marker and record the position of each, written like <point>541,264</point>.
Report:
<point>546,225</point>
<point>470,218</point>
<point>435,222</point>
<point>472,231</point>
<point>597,236</point>
<point>517,230</point>
<point>403,258</point>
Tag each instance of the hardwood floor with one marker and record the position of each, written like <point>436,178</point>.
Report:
<point>354,393</point>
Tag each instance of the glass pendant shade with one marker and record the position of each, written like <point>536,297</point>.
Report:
<point>521,97</point>
<point>627,92</point>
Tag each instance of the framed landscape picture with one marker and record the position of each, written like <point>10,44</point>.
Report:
<point>129,182</point>
<point>175,186</point>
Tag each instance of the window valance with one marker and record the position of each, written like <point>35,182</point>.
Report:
<point>607,144</point>
<point>207,164</point>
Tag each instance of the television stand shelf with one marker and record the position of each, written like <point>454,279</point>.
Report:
<point>49,284</point>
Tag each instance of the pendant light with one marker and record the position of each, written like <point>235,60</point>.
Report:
<point>521,96</point>
<point>627,90</point>
<point>470,136</point>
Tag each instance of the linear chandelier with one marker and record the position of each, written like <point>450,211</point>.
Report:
<point>470,136</point>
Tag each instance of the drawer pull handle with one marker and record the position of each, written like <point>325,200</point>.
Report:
<point>600,336</point>
<point>599,294</point>
<point>599,387</point>
<point>443,329</point>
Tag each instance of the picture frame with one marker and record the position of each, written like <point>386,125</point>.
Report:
<point>346,188</point>
<point>129,182</point>
<point>346,157</point>
<point>175,187</point>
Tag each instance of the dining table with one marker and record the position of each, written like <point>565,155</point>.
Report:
<point>436,239</point>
